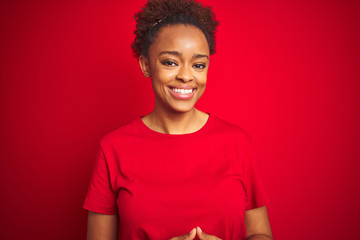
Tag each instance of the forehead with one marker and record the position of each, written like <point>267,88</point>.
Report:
<point>182,38</point>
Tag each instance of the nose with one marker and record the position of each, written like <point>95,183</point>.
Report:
<point>185,74</point>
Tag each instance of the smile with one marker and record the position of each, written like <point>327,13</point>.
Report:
<point>182,93</point>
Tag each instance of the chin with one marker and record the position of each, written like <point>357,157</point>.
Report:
<point>182,109</point>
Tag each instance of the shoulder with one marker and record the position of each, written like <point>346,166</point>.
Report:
<point>125,133</point>
<point>230,130</point>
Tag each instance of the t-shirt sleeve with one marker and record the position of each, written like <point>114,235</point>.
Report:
<point>101,197</point>
<point>255,192</point>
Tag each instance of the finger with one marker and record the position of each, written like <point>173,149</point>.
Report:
<point>203,236</point>
<point>200,233</point>
<point>189,236</point>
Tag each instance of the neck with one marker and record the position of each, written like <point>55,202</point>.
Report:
<point>174,122</point>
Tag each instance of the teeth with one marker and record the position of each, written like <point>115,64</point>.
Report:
<point>182,91</point>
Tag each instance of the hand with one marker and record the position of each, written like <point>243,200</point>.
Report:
<point>203,236</point>
<point>196,231</point>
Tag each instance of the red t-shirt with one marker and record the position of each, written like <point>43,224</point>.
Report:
<point>163,185</point>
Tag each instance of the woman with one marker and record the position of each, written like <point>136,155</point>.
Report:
<point>176,170</point>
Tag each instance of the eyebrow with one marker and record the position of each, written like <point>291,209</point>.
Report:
<point>200,56</point>
<point>176,53</point>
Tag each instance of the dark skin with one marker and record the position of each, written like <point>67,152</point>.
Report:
<point>179,58</point>
<point>104,227</point>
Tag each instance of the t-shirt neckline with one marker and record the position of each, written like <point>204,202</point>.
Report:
<point>153,133</point>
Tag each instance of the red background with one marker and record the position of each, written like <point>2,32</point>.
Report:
<point>287,71</point>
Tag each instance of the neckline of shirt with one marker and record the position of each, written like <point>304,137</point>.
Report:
<point>153,133</point>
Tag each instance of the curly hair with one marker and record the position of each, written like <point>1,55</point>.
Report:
<point>159,13</point>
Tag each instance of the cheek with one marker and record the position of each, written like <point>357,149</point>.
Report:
<point>202,78</point>
<point>163,76</point>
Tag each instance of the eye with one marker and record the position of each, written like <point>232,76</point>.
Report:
<point>200,66</point>
<point>169,63</point>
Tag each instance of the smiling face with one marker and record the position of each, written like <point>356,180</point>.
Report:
<point>178,64</point>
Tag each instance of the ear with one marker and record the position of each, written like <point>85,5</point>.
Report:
<point>144,64</point>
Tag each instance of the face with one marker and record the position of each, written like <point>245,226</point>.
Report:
<point>178,64</point>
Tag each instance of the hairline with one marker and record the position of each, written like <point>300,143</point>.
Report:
<point>208,39</point>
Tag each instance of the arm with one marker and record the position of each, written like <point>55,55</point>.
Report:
<point>102,226</point>
<point>257,224</point>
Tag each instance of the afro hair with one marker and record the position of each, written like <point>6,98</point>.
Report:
<point>159,13</point>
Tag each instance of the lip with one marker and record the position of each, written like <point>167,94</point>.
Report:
<point>182,96</point>
<point>183,87</point>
